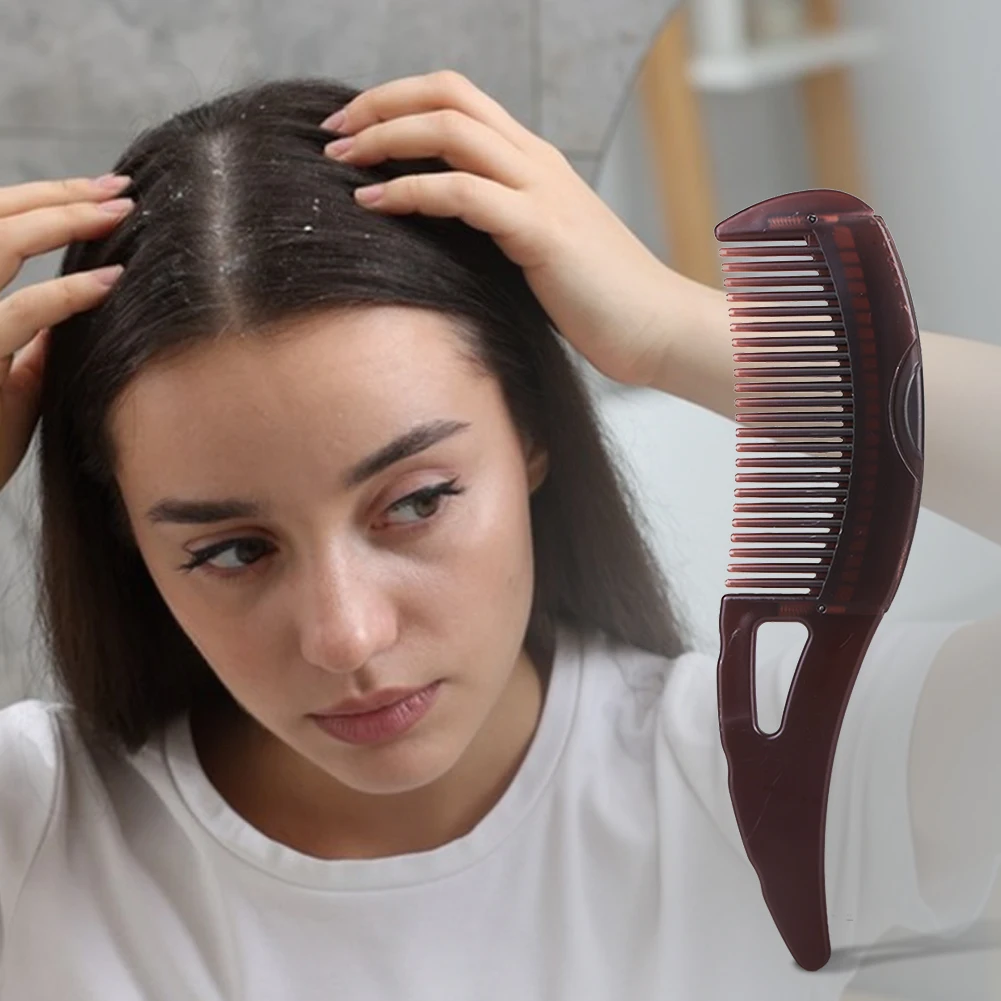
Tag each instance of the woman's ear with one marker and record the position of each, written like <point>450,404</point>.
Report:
<point>537,464</point>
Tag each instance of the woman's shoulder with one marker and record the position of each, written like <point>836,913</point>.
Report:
<point>30,737</point>
<point>31,759</point>
<point>31,763</point>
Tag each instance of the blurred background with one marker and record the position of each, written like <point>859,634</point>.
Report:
<point>679,115</point>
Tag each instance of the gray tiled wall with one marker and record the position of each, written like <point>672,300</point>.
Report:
<point>78,79</point>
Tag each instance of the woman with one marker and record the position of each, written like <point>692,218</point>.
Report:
<point>316,454</point>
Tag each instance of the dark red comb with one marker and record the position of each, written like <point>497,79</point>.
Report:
<point>830,440</point>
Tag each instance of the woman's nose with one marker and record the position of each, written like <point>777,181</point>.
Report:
<point>346,615</point>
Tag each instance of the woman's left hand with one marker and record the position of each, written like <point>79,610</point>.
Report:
<point>607,294</point>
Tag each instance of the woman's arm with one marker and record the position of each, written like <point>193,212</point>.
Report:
<point>962,384</point>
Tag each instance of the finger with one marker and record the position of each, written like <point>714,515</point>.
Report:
<point>20,399</point>
<point>463,142</point>
<point>481,203</point>
<point>18,416</point>
<point>24,313</point>
<point>41,230</point>
<point>431,92</point>
<point>28,364</point>
<point>18,198</point>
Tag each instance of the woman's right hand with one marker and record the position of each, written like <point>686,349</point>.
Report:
<point>36,218</point>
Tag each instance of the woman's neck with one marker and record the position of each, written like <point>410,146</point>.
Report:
<point>277,791</point>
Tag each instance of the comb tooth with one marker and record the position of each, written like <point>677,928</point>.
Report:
<point>791,477</point>
<point>808,568</point>
<point>798,250</point>
<point>786,523</point>
<point>825,432</point>
<point>780,326</point>
<point>758,410</point>
<point>771,267</point>
<point>783,492</point>
<point>792,464</point>
<point>773,388</point>
<point>843,402</point>
<point>789,356</point>
<point>835,314</point>
<point>813,589</point>
<point>818,448</point>
<point>793,537</point>
<point>787,508</point>
<point>792,297</point>
<point>780,554</point>
<point>791,426</point>
<point>840,382</point>
<point>792,281</point>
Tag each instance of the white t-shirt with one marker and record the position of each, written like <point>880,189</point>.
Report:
<point>610,869</point>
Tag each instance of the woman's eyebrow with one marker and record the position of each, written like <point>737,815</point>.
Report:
<point>201,512</point>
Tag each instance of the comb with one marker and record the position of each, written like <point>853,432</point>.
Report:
<point>830,438</point>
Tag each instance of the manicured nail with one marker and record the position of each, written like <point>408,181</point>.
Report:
<point>335,121</point>
<point>108,276</point>
<point>112,182</point>
<point>117,207</point>
<point>340,147</point>
<point>370,194</point>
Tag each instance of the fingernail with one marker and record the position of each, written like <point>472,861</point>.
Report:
<point>117,207</point>
<point>112,182</point>
<point>108,276</point>
<point>340,147</point>
<point>335,121</point>
<point>371,193</point>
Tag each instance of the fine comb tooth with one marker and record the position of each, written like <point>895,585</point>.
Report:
<point>792,477</point>
<point>793,463</point>
<point>788,311</point>
<point>791,268</point>
<point>792,281</point>
<point>794,480</point>
<point>770,356</point>
<point>797,401</point>
<point>773,388</point>
<point>805,297</point>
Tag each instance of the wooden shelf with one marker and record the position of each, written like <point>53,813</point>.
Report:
<point>776,62</point>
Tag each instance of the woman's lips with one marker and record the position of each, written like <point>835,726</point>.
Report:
<point>389,721</point>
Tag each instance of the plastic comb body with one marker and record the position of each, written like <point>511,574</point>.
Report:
<point>830,438</point>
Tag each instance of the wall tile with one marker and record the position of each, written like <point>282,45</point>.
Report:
<point>115,65</point>
<point>488,41</point>
<point>590,50</point>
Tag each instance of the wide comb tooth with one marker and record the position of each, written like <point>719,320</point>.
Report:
<point>794,394</point>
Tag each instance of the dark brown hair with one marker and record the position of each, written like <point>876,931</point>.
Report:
<point>241,223</point>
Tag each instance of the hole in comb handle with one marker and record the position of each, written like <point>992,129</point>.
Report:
<point>778,647</point>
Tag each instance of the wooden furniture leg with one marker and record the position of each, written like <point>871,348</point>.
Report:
<point>682,162</point>
<point>829,120</point>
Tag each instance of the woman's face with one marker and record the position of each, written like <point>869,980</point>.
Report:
<point>333,580</point>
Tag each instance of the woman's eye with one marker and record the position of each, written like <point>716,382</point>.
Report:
<point>425,503</point>
<point>229,551</point>
<point>236,555</point>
